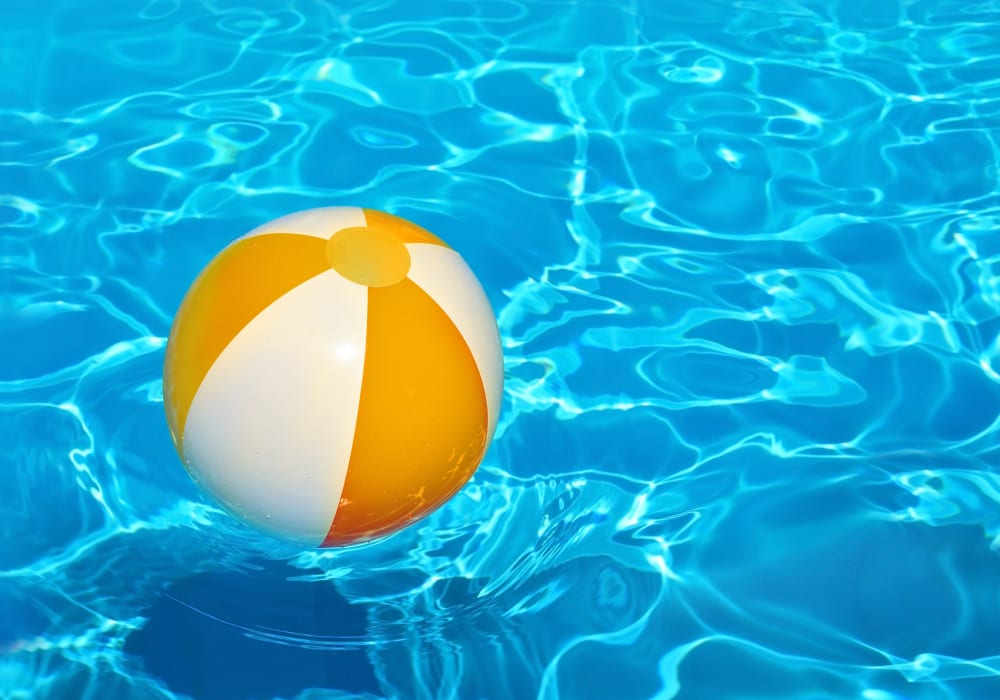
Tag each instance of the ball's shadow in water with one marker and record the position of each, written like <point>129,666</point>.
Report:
<point>230,637</point>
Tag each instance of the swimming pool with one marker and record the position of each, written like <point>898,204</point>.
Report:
<point>744,259</point>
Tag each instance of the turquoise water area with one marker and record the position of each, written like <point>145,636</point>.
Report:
<point>744,257</point>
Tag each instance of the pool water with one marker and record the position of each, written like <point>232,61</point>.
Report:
<point>745,258</point>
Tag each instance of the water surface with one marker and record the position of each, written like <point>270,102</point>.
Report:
<point>744,259</point>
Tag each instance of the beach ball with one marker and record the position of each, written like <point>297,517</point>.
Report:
<point>333,376</point>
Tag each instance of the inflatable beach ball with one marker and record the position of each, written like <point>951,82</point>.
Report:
<point>333,376</point>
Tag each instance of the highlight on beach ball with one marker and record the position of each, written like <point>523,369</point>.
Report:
<point>333,376</point>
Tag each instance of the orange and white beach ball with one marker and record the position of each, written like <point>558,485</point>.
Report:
<point>334,375</point>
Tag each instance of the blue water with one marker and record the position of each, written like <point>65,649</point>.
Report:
<point>745,259</point>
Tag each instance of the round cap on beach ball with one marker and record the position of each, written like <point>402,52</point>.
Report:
<point>333,376</point>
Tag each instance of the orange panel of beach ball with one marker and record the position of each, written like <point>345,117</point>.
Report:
<point>334,376</point>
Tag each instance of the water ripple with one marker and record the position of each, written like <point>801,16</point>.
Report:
<point>744,260</point>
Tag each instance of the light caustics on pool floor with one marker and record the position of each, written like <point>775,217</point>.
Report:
<point>744,262</point>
